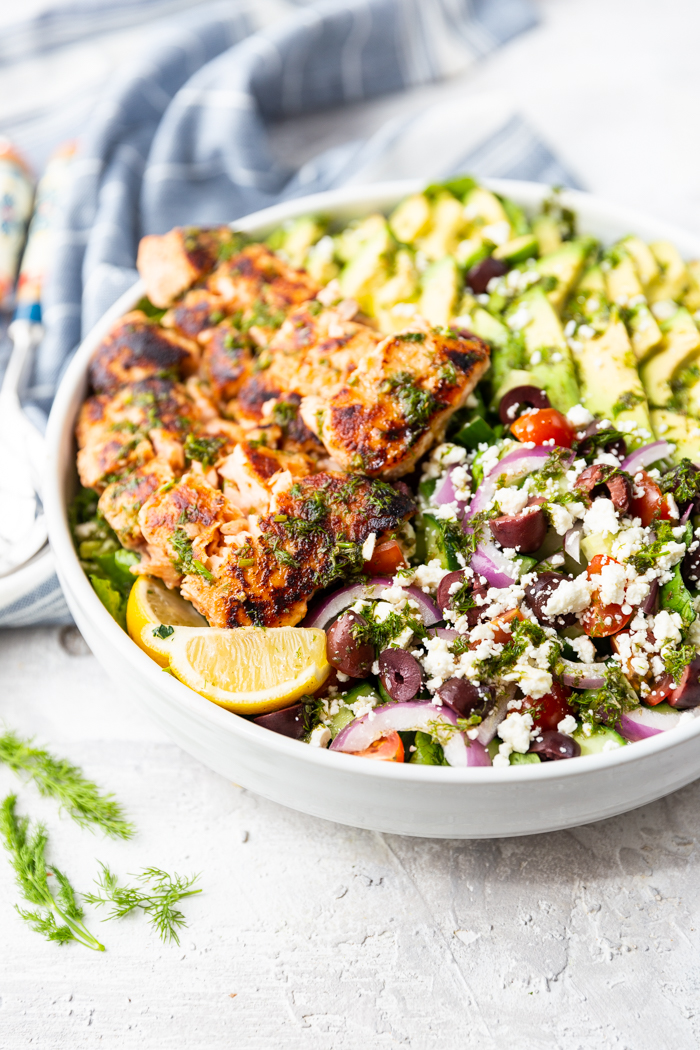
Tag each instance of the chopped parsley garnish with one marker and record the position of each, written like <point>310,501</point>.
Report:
<point>164,631</point>
<point>683,481</point>
<point>625,402</point>
<point>649,555</point>
<point>524,634</point>
<point>185,561</point>
<point>380,634</point>
<point>605,705</point>
<point>284,413</point>
<point>412,337</point>
<point>417,405</point>
<point>205,450</point>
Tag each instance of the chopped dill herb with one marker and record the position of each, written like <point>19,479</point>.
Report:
<point>282,556</point>
<point>381,634</point>
<point>284,413</point>
<point>185,561</point>
<point>412,337</point>
<point>649,555</point>
<point>524,633</point>
<point>204,450</point>
<point>605,705</point>
<point>683,481</point>
<point>676,660</point>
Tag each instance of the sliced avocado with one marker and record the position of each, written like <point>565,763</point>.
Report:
<point>368,269</point>
<point>682,430</point>
<point>680,343</point>
<point>441,286</point>
<point>483,208</point>
<point>298,237</point>
<point>691,299</point>
<point>621,280</point>
<point>565,266</point>
<point>411,218</point>
<point>599,741</point>
<point>507,354</point>
<point>471,251</point>
<point>516,217</point>
<point>610,384</point>
<point>644,261</point>
<point>437,543</point>
<point>402,287</point>
<point>672,280</point>
<point>624,287</point>
<point>445,230</point>
<point>546,230</point>
<point>547,355</point>
<point>645,334</point>
<point>356,234</point>
<point>517,250</point>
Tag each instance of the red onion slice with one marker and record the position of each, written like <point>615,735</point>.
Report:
<point>445,491</point>
<point>649,603</point>
<point>334,604</point>
<point>581,676</point>
<point>418,715</point>
<point>645,456</point>
<point>443,632</point>
<point>487,729</point>
<point>484,566</point>
<point>572,542</point>
<point>520,462</point>
<point>644,722</point>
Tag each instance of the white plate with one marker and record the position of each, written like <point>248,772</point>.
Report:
<point>409,800</point>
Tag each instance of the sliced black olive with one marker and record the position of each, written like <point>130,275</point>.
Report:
<point>289,721</point>
<point>518,399</point>
<point>464,697</point>
<point>690,569</point>
<point>345,652</point>
<point>594,437</point>
<point>552,746</point>
<point>480,275</point>
<point>525,530</point>
<point>400,673</point>
<point>600,480</point>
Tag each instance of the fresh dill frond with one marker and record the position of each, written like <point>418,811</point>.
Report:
<point>185,561</point>
<point>204,449</point>
<point>676,660</point>
<point>157,896</point>
<point>57,917</point>
<point>60,779</point>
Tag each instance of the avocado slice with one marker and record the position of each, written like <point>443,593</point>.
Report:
<point>411,218</point>
<point>517,250</point>
<point>691,299</point>
<point>643,258</point>
<point>483,208</point>
<point>355,236</point>
<point>402,287</point>
<point>610,383</point>
<point>295,239</point>
<point>565,266</point>
<point>441,286</point>
<point>682,430</point>
<point>446,228</point>
<point>547,354</point>
<point>680,343</point>
<point>368,268</point>
<point>546,230</point>
<point>507,355</point>
<point>672,280</point>
<point>624,287</point>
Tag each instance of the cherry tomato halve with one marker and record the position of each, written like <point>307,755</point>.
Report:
<point>598,620</point>
<point>498,622</point>
<point>386,559</point>
<point>651,505</point>
<point>386,749</point>
<point>542,426</point>
<point>548,711</point>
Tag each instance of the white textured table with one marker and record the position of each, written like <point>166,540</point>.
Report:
<point>312,935</point>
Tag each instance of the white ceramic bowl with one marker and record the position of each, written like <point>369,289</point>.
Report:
<point>429,801</point>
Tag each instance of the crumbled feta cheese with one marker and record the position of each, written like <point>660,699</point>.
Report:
<point>368,546</point>
<point>511,500</point>
<point>536,357</point>
<point>601,518</point>
<point>571,596</point>
<point>667,627</point>
<point>611,745</point>
<point>439,663</point>
<point>514,731</point>
<point>584,649</point>
<point>611,582</point>
<point>428,577</point>
<point>320,736</point>
<point>563,516</point>
<point>567,725</point>
<point>578,416</point>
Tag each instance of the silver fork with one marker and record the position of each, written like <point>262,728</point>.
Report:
<point>22,452</point>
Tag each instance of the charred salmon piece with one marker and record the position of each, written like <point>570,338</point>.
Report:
<point>197,311</point>
<point>398,401</point>
<point>227,362</point>
<point>253,471</point>
<point>122,500</point>
<point>138,348</point>
<point>170,263</point>
<point>312,536</point>
<point>141,421</point>
<point>260,289</point>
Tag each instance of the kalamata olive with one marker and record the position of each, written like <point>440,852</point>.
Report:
<point>400,674</point>
<point>525,530</point>
<point>552,746</point>
<point>443,595</point>
<point>651,602</point>
<point>345,652</point>
<point>600,480</point>
<point>538,593</point>
<point>519,398</point>
<point>687,692</point>
<point>690,569</point>
<point>480,275</point>
<point>289,721</point>
<point>463,696</point>
<point>594,437</point>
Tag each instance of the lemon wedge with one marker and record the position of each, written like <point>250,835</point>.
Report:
<point>151,604</point>
<point>248,670</point>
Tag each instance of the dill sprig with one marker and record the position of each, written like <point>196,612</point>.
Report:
<point>157,896</point>
<point>58,917</point>
<point>58,778</point>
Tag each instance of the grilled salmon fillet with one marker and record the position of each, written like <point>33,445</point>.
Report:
<point>397,402</point>
<point>170,263</point>
<point>137,348</point>
<point>266,574</point>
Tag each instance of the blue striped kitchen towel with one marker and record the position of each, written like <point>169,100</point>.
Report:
<point>182,138</point>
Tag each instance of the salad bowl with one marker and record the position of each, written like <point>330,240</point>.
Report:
<point>428,801</point>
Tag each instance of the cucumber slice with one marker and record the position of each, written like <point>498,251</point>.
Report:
<point>474,433</point>
<point>599,741</point>
<point>437,544</point>
<point>517,759</point>
<point>345,715</point>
